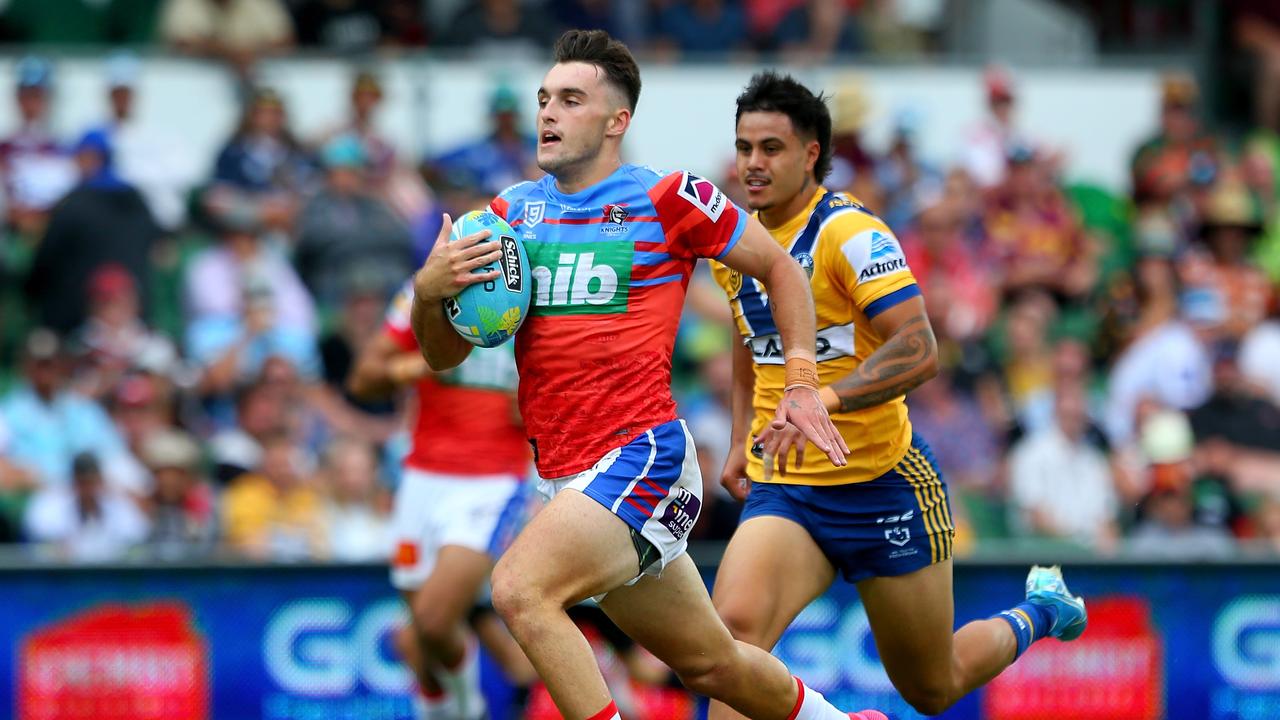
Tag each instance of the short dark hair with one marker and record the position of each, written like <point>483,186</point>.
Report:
<point>770,92</point>
<point>597,47</point>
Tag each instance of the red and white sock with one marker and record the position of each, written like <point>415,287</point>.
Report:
<point>462,685</point>
<point>434,706</point>
<point>811,705</point>
<point>610,712</point>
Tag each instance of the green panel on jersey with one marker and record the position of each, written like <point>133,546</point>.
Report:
<point>592,278</point>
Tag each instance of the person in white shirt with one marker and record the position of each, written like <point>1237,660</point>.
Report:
<point>88,521</point>
<point>358,530</point>
<point>1060,484</point>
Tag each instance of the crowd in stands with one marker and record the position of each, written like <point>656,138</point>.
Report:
<point>175,343</point>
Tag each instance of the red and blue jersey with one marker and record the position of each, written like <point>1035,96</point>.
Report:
<point>610,266</point>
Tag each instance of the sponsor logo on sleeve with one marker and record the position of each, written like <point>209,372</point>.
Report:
<point>704,195</point>
<point>885,256</point>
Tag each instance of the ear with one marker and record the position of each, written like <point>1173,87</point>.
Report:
<point>811,151</point>
<point>618,123</point>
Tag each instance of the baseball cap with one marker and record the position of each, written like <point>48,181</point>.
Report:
<point>109,282</point>
<point>84,463</point>
<point>998,83</point>
<point>503,100</point>
<point>34,72</point>
<point>170,448</point>
<point>366,80</point>
<point>345,150</point>
<point>42,344</point>
<point>122,69</point>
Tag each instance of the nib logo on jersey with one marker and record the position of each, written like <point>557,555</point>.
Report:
<point>580,278</point>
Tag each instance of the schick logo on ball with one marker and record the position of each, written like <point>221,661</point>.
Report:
<point>580,278</point>
<point>511,264</point>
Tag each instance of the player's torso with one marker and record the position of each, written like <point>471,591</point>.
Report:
<point>879,435</point>
<point>595,350</point>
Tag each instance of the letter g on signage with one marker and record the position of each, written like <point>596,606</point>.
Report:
<point>317,647</point>
<point>1246,642</point>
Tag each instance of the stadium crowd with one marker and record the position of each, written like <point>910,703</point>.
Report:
<point>175,343</point>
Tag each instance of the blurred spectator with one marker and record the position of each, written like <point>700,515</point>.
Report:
<point>1035,234</point>
<point>182,507</point>
<point>806,31</point>
<point>986,148</point>
<point>1060,484</point>
<point>604,15</point>
<point>502,158</point>
<point>701,26</point>
<point>356,509</point>
<point>359,321</point>
<point>853,166</point>
<point>114,339</point>
<point>259,414</point>
<point>49,424</point>
<point>1163,166</point>
<point>1255,26</point>
<point>102,220</point>
<point>1237,412</point>
<point>499,27</point>
<point>16,485</point>
<point>148,156</point>
<point>1260,359</point>
<point>404,24</point>
<point>86,520</point>
<point>366,97</point>
<point>275,512</point>
<point>36,171</point>
<point>1168,527</point>
<point>1225,294</point>
<point>962,439</point>
<point>338,26</point>
<point>344,230</point>
<point>237,32</point>
<point>139,410</point>
<point>1028,365</point>
<point>1161,358</point>
<point>245,303</point>
<point>908,183</point>
<point>958,288</point>
<point>262,171</point>
<point>1267,521</point>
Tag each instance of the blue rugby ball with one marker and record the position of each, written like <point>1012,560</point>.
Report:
<point>488,314</point>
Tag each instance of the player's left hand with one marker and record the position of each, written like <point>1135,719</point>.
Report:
<point>802,407</point>
<point>776,448</point>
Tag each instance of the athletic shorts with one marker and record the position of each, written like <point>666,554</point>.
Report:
<point>652,483</point>
<point>895,524</point>
<point>432,510</point>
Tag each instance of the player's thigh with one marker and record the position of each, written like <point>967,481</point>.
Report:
<point>573,549</point>
<point>671,615</point>
<point>771,570</point>
<point>912,617</point>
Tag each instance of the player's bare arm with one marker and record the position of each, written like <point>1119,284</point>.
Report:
<point>907,359</point>
<point>734,476</point>
<point>381,367</point>
<point>756,254</point>
<point>446,272</point>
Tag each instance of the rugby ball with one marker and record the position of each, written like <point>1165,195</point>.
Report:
<point>487,314</point>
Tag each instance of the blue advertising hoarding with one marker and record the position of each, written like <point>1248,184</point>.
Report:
<point>301,642</point>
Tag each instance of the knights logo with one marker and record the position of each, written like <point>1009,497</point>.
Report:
<point>898,535</point>
<point>533,213</point>
<point>805,261</point>
<point>616,214</point>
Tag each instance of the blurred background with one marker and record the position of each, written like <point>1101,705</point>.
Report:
<point>208,203</point>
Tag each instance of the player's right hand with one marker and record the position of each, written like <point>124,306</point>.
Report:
<point>447,270</point>
<point>734,476</point>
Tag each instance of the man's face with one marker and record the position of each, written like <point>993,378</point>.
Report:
<point>575,107</point>
<point>32,103</point>
<point>121,102</point>
<point>774,163</point>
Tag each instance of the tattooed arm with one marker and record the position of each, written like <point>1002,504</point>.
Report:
<point>908,358</point>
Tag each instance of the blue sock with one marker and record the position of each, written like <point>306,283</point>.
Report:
<point>1030,622</point>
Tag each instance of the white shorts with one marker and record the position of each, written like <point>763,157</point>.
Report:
<point>652,483</point>
<point>432,510</point>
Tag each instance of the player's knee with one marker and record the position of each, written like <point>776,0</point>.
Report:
<point>745,623</point>
<point>707,675</point>
<point>514,601</point>
<point>928,700</point>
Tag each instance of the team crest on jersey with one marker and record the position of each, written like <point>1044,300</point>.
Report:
<point>704,195</point>
<point>616,214</point>
<point>805,261</point>
<point>533,213</point>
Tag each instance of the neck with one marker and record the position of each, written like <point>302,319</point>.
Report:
<point>576,179</point>
<point>779,214</point>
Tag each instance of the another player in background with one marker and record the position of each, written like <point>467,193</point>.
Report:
<point>883,520</point>
<point>611,247</point>
<point>459,502</point>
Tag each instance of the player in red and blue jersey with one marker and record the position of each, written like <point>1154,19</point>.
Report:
<point>612,247</point>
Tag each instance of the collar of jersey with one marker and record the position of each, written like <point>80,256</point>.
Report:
<point>580,198</point>
<point>787,231</point>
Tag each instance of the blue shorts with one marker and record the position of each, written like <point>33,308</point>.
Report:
<point>652,483</point>
<point>892,525</point>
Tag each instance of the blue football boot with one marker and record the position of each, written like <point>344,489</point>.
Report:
<point>1045,587</point>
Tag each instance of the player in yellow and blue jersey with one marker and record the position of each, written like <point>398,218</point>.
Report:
<point>883,520</point>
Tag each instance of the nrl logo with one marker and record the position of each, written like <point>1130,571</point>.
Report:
<point>898,535</point>
<point>533,213</point>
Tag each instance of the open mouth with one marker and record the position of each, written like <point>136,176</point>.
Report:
<point>547,138</point>
<point>756,184</point>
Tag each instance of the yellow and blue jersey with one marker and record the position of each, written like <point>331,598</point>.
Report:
<point>857,271</point>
